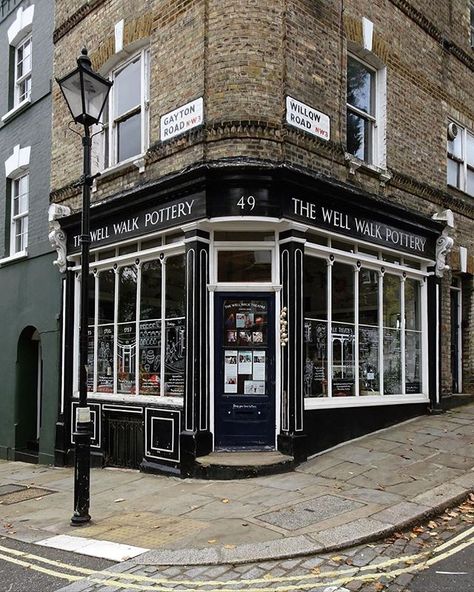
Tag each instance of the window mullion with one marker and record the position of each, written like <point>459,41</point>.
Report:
<point>356,330</point>
<point>116,306</point>
<point>381,331</point>
<point>329,331</point>
<point>402,335</point>
<point>96,329</point>
<point>137,327</point>
<point>361,113</point>
<point>163,326</point>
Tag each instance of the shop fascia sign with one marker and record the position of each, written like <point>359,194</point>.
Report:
<point>350,224</point>
<point>160,217</point>
<point>181,120</point>
<point>307,119</point>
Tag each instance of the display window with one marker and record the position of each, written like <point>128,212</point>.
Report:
<point>363,328</point>
<point>136,337</point>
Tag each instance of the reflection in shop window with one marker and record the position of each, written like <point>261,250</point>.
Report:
<point>374,352</point>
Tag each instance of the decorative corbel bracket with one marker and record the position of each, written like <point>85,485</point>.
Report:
<point>352,162</point>
<point>444,244</point>
<point>56,235</point>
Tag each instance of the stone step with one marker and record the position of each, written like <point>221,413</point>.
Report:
<point>241,465</point>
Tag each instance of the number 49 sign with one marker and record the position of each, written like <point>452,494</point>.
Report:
<point>246,203</point>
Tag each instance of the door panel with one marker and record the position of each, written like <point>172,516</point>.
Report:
<point>245,371</point>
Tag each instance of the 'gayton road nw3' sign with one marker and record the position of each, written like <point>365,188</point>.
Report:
<point>308,119</point>
<point>181,119</point>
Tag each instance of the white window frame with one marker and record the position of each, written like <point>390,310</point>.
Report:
<point>21,218</point>
<point>108,149</point>
<point>19,34</point>
<point>381,267</point>
<point>25,77</point>
<point>162,253</point>
<point>461,161</point>
<point>377,118</point>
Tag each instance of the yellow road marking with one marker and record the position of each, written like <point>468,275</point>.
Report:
<point>348,574</point>
<point>40,569</point>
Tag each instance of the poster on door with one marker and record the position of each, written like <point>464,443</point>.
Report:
<point>230,371</point>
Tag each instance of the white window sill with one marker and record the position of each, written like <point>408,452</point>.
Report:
<point>15,257</point>
<point>365,401</point>
<point>355,163</point>
<point>17,109</point>
<point>138,161</point>
<point>156,400</point>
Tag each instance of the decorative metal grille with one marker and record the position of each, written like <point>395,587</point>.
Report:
<point>124,438</point>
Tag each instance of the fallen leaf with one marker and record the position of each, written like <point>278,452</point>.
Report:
<point>225,501</point>
<point>11,532</point>
<point>244,524</point>
<point>119,499</point>
<point>336,558</point>
<point>212,541</point>
<point>316,571</point>
<point>432,524</point>
<point>379,586</point>
<point>419,529</point>
<point>349,561</point>
<point>38,499</point>
<point>229,546</point>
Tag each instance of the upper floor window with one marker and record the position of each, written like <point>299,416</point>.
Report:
<point>360,109</point>
<point>461,158</point>
<point>19,214</point>
<point>366,110</point>
<point>17,174</point>
<point>19,39</point>
<point>125,118</point>
<point>23,71</point>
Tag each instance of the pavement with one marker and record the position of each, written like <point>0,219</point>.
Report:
<point>357,492</point>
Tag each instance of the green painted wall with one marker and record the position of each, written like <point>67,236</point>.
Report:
<point>30,296</point>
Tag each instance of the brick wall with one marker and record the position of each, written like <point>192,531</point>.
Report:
<point>245,56</point>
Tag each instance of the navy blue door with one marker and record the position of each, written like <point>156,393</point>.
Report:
<point>244,371</point>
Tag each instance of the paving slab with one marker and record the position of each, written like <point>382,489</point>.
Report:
<point>356,492</point>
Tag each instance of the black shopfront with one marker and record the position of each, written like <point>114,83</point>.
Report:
<point>243,309</point>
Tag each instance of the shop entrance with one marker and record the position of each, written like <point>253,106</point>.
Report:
<point>456,338</point>
<point>244,371</point>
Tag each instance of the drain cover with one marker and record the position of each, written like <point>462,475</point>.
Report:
<point>21,494</point>
<point>10,488</point>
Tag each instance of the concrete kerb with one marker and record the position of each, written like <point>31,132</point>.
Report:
<point>288,548</point>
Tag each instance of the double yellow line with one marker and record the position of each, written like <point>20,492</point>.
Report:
<point>413,563</point>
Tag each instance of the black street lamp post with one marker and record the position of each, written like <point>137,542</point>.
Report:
<point>86,94</point>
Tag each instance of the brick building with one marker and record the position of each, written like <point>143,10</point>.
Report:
<point>30,294</point>
<point>282,249</point>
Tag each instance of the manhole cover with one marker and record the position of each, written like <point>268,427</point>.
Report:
<point>309,512</point>
<point>23,494</point>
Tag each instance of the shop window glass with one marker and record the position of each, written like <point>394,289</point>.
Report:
<point>245,266</point>
<point>315,331</point>
<point>126,329</point>
<point>343,330</point>
<point>150,328</point>
<point>369,335</point>
<point>391,334</point>
<point>343,293</point>
<point>413,358</point>
<point>105,332</point>
<point>90,332</point>
<point>386,346</point>
<point>315,288</point>
<point>175,326</point>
